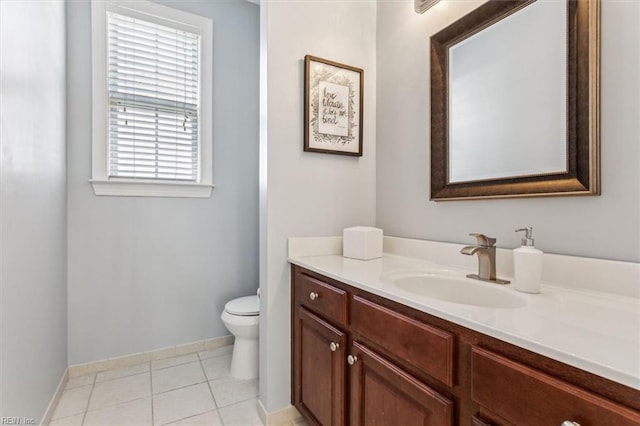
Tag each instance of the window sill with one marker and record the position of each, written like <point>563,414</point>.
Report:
<point>137,188</point>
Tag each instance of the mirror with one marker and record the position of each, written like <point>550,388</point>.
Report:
<point>514,101</point>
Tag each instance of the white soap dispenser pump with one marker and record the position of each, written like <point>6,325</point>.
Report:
<point>527,264</point>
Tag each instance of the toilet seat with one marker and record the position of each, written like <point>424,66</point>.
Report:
<point>243,306</point>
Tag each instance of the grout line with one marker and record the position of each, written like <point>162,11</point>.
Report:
<point>150,371</point>
<point>180,387</point>
<point>118,378</point>
<point>240,401</point>
<point>210,390</point>
<point>215,356</point>
<point>186,418</point>
<point>153,420</point>
<point>93,386</point>
<point>176,365</point>
<point>106,407</point>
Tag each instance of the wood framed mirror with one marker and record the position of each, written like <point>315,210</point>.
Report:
<point>515,103</point>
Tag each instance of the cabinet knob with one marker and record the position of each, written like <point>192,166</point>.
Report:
<point>313,295</point>
<point>352,359</point>
<point>334,346</point>
<point>570,423</point>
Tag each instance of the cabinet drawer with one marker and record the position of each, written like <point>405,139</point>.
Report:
<point>321,298</point>
<point>525,396</point>
<point>422,346</point>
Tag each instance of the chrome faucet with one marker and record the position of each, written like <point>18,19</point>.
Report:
<point>486,251</point>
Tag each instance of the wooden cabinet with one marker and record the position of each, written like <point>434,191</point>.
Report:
<point>538,399</point>
<point>378,391</point>
<point>359,359</point>
<point>381,393</point>
<point>424,347</point>
<point>321,298</point>
<point>319,380</point>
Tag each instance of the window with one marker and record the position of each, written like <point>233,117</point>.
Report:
<point>151,101</point>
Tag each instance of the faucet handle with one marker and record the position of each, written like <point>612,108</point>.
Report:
<point>483,240</point>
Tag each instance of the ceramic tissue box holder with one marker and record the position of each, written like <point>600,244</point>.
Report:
<point>362,242</point>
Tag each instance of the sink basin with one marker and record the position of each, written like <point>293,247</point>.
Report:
<point>464,291</point>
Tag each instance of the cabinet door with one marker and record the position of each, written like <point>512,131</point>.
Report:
<point>319,362</point>
<point>527,397</point>
<point>383,394</point>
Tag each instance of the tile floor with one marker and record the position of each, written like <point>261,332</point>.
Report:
<point>193,389</point>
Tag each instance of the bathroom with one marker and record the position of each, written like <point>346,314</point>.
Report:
<point>86,278</point>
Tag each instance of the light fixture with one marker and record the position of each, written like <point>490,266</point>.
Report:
<point>422,6</point>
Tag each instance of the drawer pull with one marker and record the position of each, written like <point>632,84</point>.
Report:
<point>313,295</point>
<point>334,346</point>
<point>352,359</point>
<point>570,423</point>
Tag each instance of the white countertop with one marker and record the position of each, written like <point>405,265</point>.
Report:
<point>593,330</point>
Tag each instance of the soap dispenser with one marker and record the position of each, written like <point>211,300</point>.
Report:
<point>527,264</point>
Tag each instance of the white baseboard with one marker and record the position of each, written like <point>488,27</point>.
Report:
<point>285,416</point>
<point>128,360</point>
<point>46,418</point>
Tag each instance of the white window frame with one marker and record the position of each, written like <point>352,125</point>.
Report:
<point>166,16</point>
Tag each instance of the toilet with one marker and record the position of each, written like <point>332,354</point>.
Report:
<point>241,316</point>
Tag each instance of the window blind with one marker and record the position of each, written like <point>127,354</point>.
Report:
<point>153,91</point>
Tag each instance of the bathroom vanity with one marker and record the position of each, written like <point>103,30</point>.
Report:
<point>366,353</point>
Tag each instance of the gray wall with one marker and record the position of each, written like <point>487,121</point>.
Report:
<point>33,232</point>
<point>147,273</point>
<point>306,193</point>
<point>607,226</point>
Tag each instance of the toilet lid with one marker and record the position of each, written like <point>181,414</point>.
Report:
<point>245,306</point>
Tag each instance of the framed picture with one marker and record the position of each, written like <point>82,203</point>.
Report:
<point>332,107</point>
